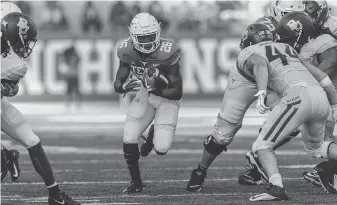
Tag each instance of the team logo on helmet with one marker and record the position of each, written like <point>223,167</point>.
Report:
<point>23,26</point>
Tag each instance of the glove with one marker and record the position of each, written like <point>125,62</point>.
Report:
<point>132,86</point>
<point>334,112</point>
<point>9,88</point>
<point>260,104</point>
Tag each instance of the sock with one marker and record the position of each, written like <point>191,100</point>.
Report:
<point>43,168</point>
<point>54,191</point>
<point>276,179</point>
<point>131,155</point>
<point>202,169</point>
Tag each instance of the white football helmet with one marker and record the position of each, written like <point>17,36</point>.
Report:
<point>8,7</point>
<point>145,32</point>
<point>279,8</point>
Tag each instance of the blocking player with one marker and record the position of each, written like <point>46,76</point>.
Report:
<point>20,34</point>
<point>156,63</point>
<point>11,157</point>
<point>321,52</point>
<point>303,100</point>
<point>240,93</point>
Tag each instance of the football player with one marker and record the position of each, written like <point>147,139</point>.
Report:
<point>20,35</point>
<point>9,88</point>
<point>239,95</point>
<point>155,62</point>
<point>321,52</point>
<point>303,100</point>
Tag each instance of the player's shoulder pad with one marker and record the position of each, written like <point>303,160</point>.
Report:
<point>169,52</point>
<point>258,49</point>
<point>13,67</point>
<point>331,23</point>
<point>323,42</point>
<point>124,49</point>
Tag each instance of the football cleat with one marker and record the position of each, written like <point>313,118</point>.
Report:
<point>64,200</point>
<point>273,193</point>
<point>327,178</point>
<point>134,187</point>
<point>196,181</point>
<point>312,177</point>
<point>250,177</point>
<point>255,163</point>
<point>147,146</point>
<point>13,164</point>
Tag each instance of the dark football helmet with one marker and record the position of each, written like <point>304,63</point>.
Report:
<point>295,29</point>
<point>20,32</point>
<point>318,10</point>
<point>254,34</point>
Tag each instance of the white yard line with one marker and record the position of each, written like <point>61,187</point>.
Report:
<point>127,182</point>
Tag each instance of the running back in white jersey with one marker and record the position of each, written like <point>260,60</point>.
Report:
<point>285,70</point>
<point>13,67</point>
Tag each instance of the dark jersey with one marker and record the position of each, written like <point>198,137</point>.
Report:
<point>269,21</point>
<point>164,57</point>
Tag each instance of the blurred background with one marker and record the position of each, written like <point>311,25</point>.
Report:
<point>76,51</point>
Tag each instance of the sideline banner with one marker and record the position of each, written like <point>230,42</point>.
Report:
<point>205,65</point>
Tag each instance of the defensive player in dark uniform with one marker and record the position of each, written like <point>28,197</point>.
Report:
<point>239,95</point>
<point>154,64</point>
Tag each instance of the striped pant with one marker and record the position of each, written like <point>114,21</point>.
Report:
<point>307,107</point>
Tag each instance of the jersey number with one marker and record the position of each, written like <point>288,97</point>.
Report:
<point>123,43</point>
<point>166,47</point>
<point>273,53</point>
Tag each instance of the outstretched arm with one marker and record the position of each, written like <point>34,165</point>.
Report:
<point>258,66</point>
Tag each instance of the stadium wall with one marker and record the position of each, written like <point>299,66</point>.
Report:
<point>205,66</point>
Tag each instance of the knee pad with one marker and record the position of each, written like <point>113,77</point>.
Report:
<point>321,151</point>
<point>163,137</point>
<point>131,153</point>
<point>213,147</point>
<point>160,153</point>
<point>261,144</point>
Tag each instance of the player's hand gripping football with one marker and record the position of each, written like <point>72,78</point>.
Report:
<point>260,104</point>
<point>132,86</point>
<point>150,77</point>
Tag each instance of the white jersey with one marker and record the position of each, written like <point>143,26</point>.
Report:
<point>310,51</point>
<point>331,23</point>
<point>285,69</point>
<point>13,67</point>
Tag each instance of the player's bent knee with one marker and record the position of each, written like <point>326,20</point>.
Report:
<point>161,153</point>
<point>213,147</point>
<point>31,141</point>
<point>319,152</point>
<point>261,144</point>
<point>163,137</point>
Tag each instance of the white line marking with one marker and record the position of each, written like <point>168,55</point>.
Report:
<point>104,151</point>
<point>127,182</point>
<point>304,166</point>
